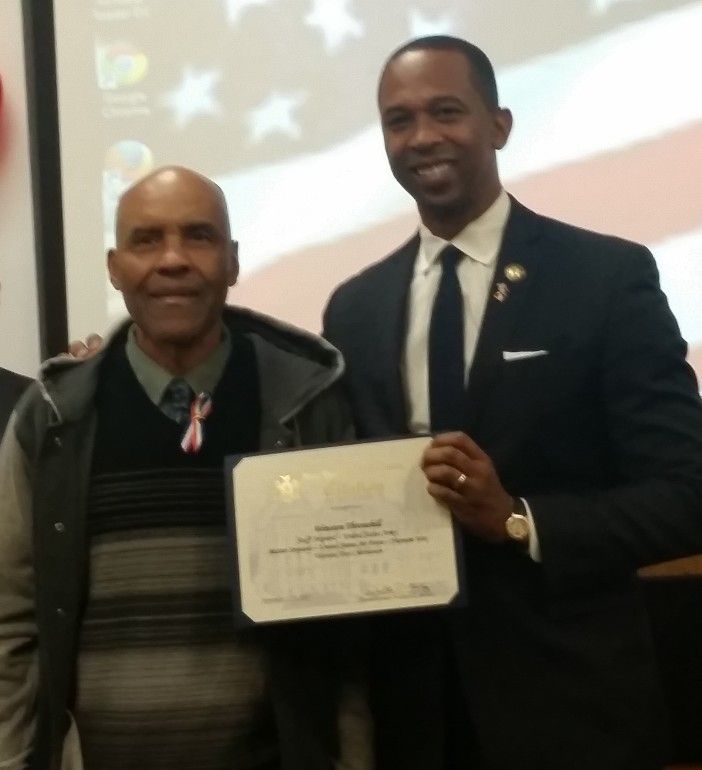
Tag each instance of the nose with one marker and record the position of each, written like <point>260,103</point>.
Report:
<point>426,133</point>
<point>173,258</point>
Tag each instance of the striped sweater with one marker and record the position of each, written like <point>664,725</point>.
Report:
<point>163,679</point>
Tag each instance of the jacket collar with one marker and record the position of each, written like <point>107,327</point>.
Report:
<point>517,265</point>
<point>294,367</point>
<point>390,335</point>
<point>504,310</point>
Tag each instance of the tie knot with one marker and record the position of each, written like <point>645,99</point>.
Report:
<point>449,256</point>
<point>176,400</point>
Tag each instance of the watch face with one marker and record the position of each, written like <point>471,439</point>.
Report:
<point>517,528</point>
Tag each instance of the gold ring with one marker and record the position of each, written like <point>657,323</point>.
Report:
<point>461,480</point>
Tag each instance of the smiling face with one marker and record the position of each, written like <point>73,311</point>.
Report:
<point>441,136</point>
<point>174,261</point>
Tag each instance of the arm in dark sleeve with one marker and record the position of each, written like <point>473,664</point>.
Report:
<point>18,632</point>
<point>653,419</point>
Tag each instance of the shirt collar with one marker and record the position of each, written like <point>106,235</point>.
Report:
<point>479,239</point>
<point>154,378</point>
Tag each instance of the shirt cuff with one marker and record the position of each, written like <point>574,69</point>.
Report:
<point>534,548</point>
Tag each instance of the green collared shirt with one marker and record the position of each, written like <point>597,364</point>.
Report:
<point>154,378</point>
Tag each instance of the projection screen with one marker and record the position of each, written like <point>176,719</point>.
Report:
<point>275,99</point>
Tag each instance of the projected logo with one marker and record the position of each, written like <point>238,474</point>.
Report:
<point>119,65</point>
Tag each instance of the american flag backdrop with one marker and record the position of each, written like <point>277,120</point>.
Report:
<point>275,99</point>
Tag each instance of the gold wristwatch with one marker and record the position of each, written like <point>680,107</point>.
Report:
<point>517,524</point>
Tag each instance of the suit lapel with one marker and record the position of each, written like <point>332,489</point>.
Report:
<point>505,305</point>
<point>390,331</point>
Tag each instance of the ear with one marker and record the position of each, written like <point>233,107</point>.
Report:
<point>502,127</point>
<point>112,269</point>
<point>233,267</point>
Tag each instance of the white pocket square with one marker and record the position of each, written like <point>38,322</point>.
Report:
<point>518,355</point>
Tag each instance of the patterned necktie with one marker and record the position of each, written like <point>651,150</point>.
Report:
<point>446,354</point>
<point>176,400</point>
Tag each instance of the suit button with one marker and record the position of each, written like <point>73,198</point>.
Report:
<point>59,526</point>
<point>61,612</point>
<point>57,442</point>
<point>279,443</point>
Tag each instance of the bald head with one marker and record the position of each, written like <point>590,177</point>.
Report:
<point>163,184</point>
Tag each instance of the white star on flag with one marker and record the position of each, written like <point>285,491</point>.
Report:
<point>193,96</point>
<point>422,26</point>
<point>274,116</point>
<point>236,8</point>
<point>335,22</point>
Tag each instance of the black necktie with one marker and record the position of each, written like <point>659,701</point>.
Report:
<point>176,400</point>
<point>446,354</point>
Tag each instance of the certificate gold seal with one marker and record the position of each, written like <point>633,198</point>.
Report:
<point>515,272</point>
<point>288,488</point>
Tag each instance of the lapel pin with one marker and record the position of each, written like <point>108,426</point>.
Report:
<point>515,272</point>
<point>501,292</point>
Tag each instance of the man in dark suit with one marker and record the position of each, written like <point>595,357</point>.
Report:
<point>569,447</point>
<point>11,387</point>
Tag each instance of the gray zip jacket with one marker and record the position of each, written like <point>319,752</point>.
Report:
<point>45,461</point>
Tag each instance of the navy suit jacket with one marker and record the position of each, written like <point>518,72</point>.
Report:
<point>603,437</point>
<point>11,387</point>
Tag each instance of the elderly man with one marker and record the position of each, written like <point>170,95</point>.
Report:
<point>570,446</point>
<point>116,642</point>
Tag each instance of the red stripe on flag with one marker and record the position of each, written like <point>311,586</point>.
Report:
<point>642,193</point>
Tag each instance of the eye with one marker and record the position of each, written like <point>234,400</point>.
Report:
<point>145,238</point>
<point>448,112</point>
<point>396,121</point>
<point>202,234</point>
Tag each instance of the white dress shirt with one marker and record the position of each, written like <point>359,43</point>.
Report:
<point>480,242</point>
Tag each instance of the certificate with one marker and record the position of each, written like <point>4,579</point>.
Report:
<point>338,530</point>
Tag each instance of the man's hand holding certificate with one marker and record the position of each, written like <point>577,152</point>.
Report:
<point>340,530</point>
